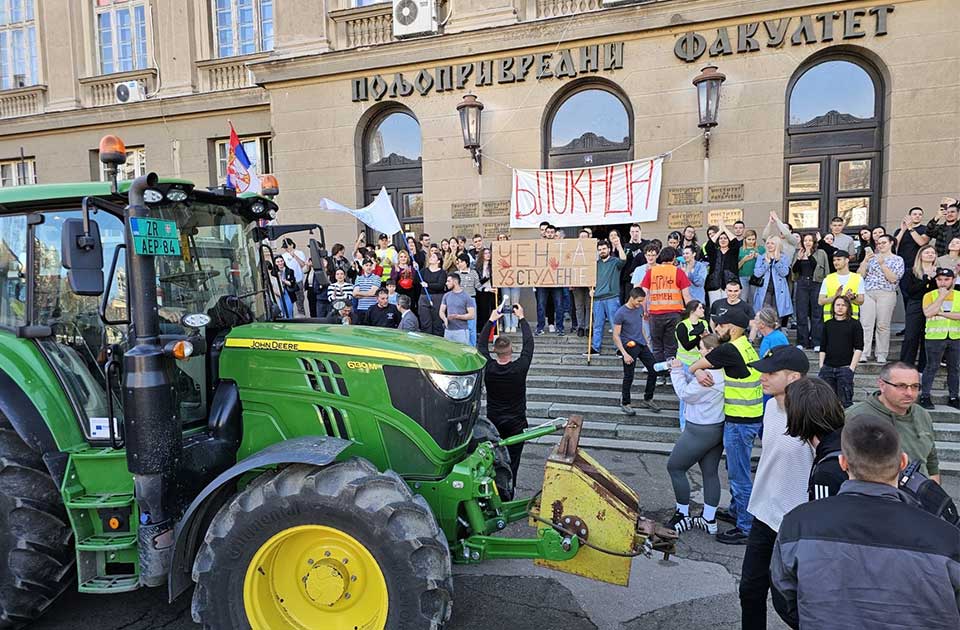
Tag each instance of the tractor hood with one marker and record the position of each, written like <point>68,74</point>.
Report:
<point>365,343</point>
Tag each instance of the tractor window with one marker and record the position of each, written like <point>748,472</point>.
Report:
<point>77,349</point>
<point>13,265</point>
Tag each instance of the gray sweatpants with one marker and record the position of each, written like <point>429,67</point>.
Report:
<point>698,443</point>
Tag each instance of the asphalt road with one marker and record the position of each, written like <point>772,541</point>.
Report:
<point>697,588</point>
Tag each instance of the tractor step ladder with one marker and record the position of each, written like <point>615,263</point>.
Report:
<point>98,494</point>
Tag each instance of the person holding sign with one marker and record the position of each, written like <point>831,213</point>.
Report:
<point>606,293</point>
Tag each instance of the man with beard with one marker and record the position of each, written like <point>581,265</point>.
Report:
<point>743,415</point>
<point>634,249</point>
<point>606,292</point>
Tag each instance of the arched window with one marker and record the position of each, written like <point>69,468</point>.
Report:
<point>590,125</point>
<point>834,139</point>
<point>392,157</point>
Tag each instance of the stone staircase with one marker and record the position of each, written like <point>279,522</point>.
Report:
<point>561,383</point>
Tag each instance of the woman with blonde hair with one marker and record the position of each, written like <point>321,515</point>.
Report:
<point>773,268</point>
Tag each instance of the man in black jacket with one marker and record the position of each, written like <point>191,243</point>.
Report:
<point>506,382</point>
<point>868,557</point>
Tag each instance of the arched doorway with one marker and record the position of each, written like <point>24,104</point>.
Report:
<point>589,124</point>
<point>392,158</point>
<point>834,142</point>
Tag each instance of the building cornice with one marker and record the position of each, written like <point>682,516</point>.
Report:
<point>648,18</point>
<point>178,107</point>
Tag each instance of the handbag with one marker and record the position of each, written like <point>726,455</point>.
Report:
<point>756,281</point>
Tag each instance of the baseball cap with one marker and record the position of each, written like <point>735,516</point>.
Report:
<point>783,358</point>
<point>383,237</point>
<point>946,271</point>
<point>841,253</point>
<point>338,304</point>
<point>736,317</point>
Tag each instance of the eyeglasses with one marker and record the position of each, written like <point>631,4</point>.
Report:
<point>903,387</point>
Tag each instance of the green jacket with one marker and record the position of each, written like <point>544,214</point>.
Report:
<point>915,429</point>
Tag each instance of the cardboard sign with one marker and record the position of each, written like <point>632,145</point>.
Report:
<point>570,262</point>
<point>155,237</point>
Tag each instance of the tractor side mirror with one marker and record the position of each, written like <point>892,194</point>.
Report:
<point>82,254</point>
<point>316,253</point>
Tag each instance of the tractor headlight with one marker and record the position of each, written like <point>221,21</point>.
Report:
<point>176,195</point>
<point>152,196</point>
<point>456,386</point>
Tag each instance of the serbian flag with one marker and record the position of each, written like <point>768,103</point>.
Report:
<point>240,175</point>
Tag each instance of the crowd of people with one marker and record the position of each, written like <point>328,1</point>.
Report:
<point>438,288</point>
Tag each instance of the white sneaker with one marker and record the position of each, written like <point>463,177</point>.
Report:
<point>552,328</point>
<point>816,348</point>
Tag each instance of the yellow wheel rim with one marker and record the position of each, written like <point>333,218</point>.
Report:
<point>311,577</point>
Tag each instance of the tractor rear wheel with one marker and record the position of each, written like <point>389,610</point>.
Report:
<point>486,431</point>
<point>338,548</point>
<point>36,541</point>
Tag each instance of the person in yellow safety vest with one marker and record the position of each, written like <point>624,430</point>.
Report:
<point>841,282</point>
<point>386,255</point>
<point>743,415</point>
<point>942,338</point>
<point>691,328</point>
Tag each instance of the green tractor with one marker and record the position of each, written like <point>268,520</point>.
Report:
<point>159,425</point>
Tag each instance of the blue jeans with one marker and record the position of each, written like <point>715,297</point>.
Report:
<point>738,442</point>
<point>603,311</point>
<point>286,305</point>
<point>557,307</point>
<point>472,328</point>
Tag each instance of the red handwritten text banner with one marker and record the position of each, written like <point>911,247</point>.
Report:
<point>619,193</point>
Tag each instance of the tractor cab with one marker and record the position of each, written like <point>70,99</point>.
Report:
<point>64,283</point>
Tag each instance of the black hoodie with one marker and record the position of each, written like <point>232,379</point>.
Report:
<point>826,475</point>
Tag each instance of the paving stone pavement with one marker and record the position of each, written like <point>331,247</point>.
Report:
<point>697,588</point>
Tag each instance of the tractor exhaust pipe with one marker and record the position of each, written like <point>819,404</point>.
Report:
<point>152,423</point>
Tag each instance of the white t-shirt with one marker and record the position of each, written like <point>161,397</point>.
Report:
<point>844,279</point>
<point>294,262</point>
<point>784,470</point>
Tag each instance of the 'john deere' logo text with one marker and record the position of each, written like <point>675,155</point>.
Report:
<point>273,345</point>
<point>362,366</point>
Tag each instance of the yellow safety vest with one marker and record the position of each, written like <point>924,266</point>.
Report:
<point>833,285</point>
<point>743,397</point>
<point>687,357</point>
<point>385,258</point>
<point>941,327</point>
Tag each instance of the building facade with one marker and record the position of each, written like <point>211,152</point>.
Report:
<point>828,108</point>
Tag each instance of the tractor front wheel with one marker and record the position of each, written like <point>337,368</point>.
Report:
<point>338,548</point>
<point>36,541</point>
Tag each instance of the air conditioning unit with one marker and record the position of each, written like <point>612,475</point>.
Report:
<point>129,91</point>
<point>414,17</point>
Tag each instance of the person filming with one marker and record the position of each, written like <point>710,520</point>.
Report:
<point>506,382</point>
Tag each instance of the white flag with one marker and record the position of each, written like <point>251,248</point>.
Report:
<point>379,215</point>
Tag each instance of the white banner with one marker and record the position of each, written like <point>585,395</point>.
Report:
<point>379,215</point>
<point>619,193</point>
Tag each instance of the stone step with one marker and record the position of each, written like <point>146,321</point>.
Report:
<point>584,385</point>
<point>869,368</point>
<point>950,467</point>
<point>576,368</point>
<point>664,396</point>
<point>666,429</point>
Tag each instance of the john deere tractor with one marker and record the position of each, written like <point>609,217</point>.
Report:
<point>160,426</point>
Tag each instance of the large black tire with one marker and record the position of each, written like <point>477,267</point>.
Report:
<point>377,509</point>
<point>486,431</point>
<point>36,541</point>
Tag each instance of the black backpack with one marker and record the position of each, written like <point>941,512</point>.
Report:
<point>928,494</point>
